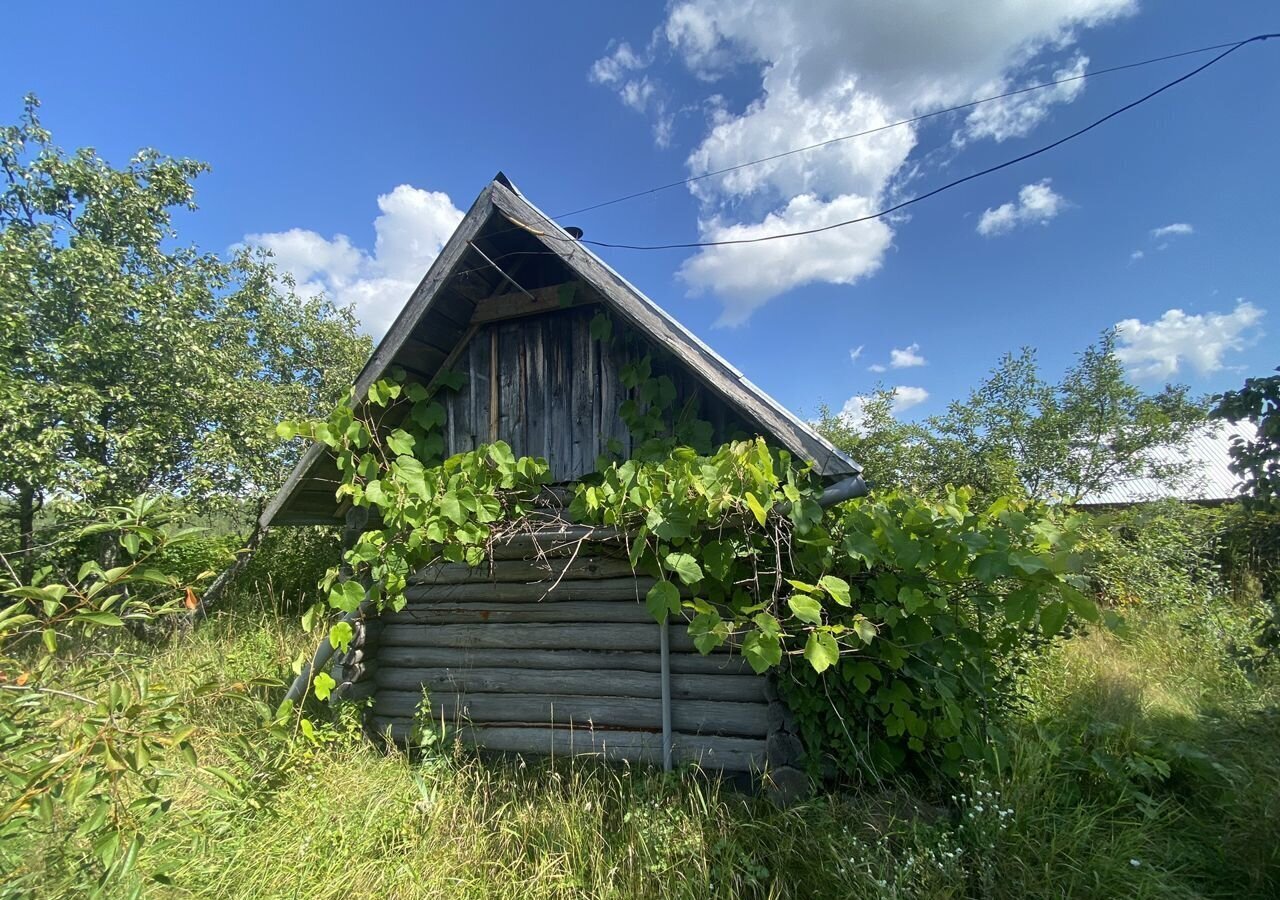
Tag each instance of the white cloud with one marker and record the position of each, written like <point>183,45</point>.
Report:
<point>1015,116</point>
<point>748,275</point>
<point>408,234</point>
<point>1175,229</point>
<point>877,367</point>
<point>1158,349</point>
<point>904,397</point>
<point>1036,204</point>
<point>1136,255</point>
<point>906,357</point>
<point>829,68</point>
<point>855,352</point>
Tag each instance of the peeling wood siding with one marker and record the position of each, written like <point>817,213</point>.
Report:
<point>558,393</point>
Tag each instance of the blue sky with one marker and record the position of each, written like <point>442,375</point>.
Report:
<point>347,137</point>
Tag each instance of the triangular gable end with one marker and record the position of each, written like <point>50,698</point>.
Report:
<point>506,260</point>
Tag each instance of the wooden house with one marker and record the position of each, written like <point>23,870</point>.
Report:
<point>549,647</point>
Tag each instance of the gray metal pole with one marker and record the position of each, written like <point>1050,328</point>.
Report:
<point>664,647</point>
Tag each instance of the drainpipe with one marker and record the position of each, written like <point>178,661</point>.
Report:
<point>664,650</point>
<point>850,488</point>
<point>323,654</point>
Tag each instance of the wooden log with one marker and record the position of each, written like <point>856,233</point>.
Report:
<point>526,571</point>
<point>708,751</point>
<point>602,636</point>
<point>450,613</point>
<point>470,657</point>
<point>556,541</point>
<point>600,683</point>
<point>516,592</point>
<point>639,713</point>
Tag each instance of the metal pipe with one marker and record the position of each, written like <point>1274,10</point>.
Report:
<point>848,489</point>
<point>664,649</point>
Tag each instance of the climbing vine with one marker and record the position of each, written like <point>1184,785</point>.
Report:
<point>895,625</point>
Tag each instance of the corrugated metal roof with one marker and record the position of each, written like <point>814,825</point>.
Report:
<point>1210,478</point>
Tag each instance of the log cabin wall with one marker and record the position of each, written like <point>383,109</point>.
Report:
<point>546,387</point>
<point>546,652</point>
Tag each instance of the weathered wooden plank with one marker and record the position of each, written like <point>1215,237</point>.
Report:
<point>710,368</point>
<point>708,751</point>
<point>559,366</point>
<point>537,423</point>
<point>602,636</point>
<point>471,657</point>
<point>515,592</point>
<point>596,682</point>
<point>449,613</point>
<point>639,713</point>
<point>534,303</point>
<point>558,541</point>
<point>584,393</point>
<point>510,400</point>
<point>583,566</point>
<point>479,375</point>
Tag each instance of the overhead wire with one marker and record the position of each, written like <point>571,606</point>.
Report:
<point>911,121</point>
<point>687,245</point>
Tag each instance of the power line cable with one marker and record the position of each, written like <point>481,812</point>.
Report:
<point>904,122</point>
<point>1231,48</point>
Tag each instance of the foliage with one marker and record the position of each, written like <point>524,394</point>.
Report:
<point>1256,461</point>
<point>893,454</point>
<point>388,448</point>
<point>1078,436</point>
<point>88,775</point>
<point>1163,553</point>
<point>892,612</point>
<point>339,817</point>
<point>134,364</point>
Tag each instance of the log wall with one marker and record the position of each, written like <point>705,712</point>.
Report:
<point>560,656</point>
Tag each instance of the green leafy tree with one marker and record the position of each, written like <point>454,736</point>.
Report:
<point>133,363</point>
<point>1066,440</point>
<point>1256,461</point>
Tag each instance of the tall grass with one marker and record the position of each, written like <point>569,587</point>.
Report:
<point>1143,765</point>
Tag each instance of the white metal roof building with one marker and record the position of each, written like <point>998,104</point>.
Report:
<point>1210,479</point>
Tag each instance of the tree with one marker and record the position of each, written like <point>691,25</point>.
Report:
<point>1075,437</point>
<point>1256,461</point>
<point>892,453</point>
<point>133,363</point>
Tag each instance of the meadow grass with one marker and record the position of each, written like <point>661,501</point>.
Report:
<point>1142,765</point>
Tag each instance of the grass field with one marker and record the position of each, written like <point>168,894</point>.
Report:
<point>1142,765</point>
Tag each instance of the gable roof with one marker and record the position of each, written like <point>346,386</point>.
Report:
<point>1208,479</point>
<point>503,225</point>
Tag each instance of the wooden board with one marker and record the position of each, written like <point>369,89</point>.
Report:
<point>708,751</point>
<point>632,589</point>
<point>597,682</point>
<point>582,566</point>
<point>451,613</point>
<point>642,714</point>
<point>602,636</point>
<point>472,657</point>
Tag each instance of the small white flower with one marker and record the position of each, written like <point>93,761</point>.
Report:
<point>1135,862</point>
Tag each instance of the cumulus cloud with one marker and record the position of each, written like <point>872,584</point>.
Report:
<point>829,68</point>
<point>748,275</point>
<point>904,397</point>
<point>412,226</point>
<point>1159,349</point>
<point>877,367</point>
<point>1175,229</point>
<point>1015,116</point>
<point>906,357</point>
<point>1036,204</point>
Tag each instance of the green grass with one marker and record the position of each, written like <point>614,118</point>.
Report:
<point>1142,766</point>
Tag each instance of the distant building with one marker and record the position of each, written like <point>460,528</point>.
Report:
<point>1209,479</point>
